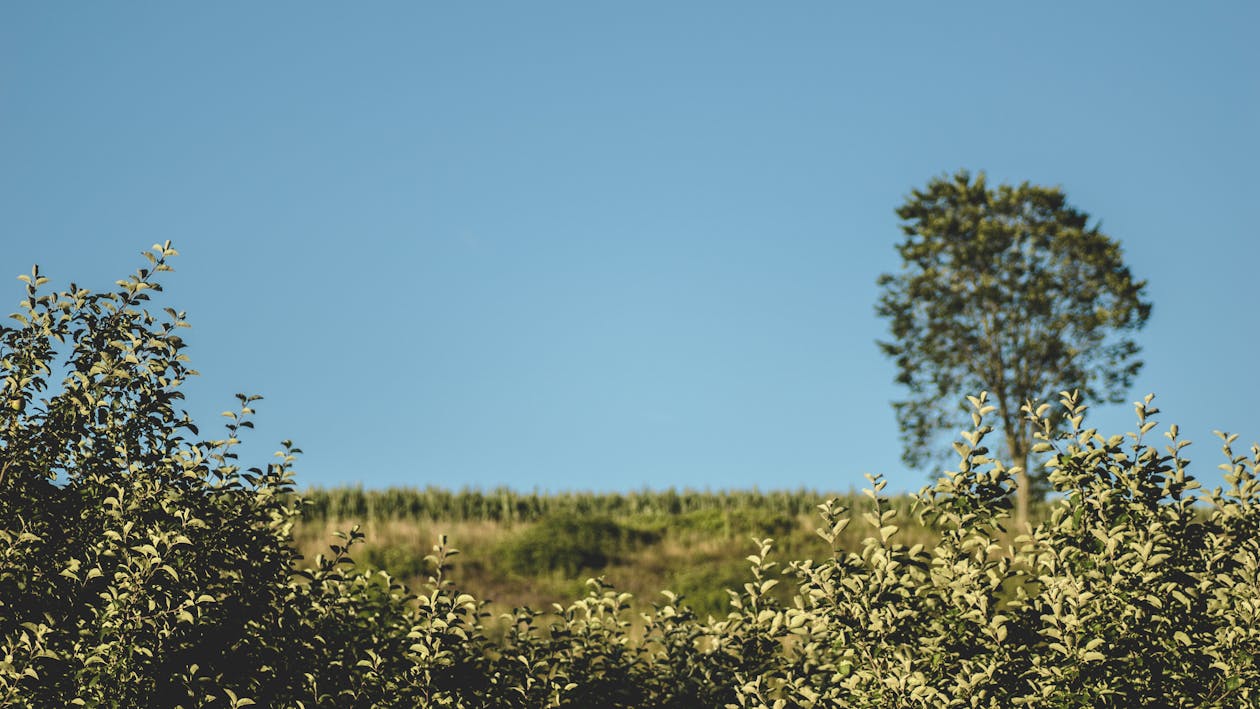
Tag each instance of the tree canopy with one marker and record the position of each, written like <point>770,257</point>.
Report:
<point>1008,290</point>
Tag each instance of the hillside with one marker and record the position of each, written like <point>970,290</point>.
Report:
<point>535,549</point>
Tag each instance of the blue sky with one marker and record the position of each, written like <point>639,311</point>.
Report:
<point>608,246</point>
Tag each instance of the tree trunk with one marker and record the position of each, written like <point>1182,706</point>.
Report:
<point>1023,483</point>
<point>1023,492</point>
<point>1017,448</point>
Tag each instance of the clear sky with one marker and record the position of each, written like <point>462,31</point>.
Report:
<point>599,245</point>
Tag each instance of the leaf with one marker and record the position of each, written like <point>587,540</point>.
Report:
<point>887,531</point>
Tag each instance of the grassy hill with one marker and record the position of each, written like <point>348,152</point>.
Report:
<point>533,549</point>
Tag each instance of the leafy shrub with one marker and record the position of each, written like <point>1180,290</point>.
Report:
<point>727,523</point>
<point>1126,596</point>
<point>142,567</point>
<point>400,561</point>
<point>139,567</point>
<point>570,543</point>
<point>704,585</point>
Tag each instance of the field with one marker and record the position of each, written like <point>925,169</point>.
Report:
<point>534,549</point>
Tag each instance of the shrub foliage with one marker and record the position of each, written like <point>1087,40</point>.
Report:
<point>141,566</point>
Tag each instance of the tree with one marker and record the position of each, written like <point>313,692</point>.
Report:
<point>1010,291</point>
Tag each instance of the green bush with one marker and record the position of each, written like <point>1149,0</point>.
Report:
<point>730,523</point>
<point>570,543</point>
<point>404,562</point>
<point>140,566</point>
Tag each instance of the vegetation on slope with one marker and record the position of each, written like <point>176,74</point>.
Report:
<point>533,549</point>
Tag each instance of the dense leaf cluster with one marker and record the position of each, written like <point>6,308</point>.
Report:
<point>141,567</point>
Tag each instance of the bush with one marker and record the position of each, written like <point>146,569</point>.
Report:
<point>726,523</point>
<point>142,567</point>
<point>569,543</point>
<point>139,567</point>
<point>404,562</point>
